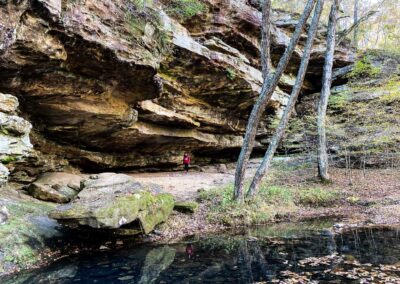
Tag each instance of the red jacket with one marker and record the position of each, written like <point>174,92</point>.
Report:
<point>186,160</point>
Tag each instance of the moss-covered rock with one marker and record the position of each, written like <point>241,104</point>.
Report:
<point>186,206</point>
<point>113,201</point>
<point>24,234</point>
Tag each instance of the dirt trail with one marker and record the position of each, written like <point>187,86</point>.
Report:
<point>185,186</point>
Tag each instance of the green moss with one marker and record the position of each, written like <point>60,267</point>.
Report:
<point>140,15</point>
<point>157,212</point>
<point>392,91</point>
<point>230,74</point>
<point>364,68</point>
<point>4,131</point>
<point>339,101</point>
<point>21,241</point>
<point>148,208</point>
<point>8,159</point>
<point>317,197</point>
<point>184,9</point>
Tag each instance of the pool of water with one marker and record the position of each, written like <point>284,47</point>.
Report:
<point>285,253</point>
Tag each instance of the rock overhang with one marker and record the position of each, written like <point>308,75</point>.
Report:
<point>93,76</point>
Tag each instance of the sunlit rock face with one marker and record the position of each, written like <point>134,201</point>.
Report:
<point>107,85</point>
<point>15,145</point>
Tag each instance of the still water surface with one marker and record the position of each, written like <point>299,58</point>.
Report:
<point>285,253</point>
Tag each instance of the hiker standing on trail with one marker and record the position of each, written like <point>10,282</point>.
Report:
<point>186,162</point>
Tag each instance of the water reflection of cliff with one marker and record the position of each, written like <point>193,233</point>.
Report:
<point>266,254</point>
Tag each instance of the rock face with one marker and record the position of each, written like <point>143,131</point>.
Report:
<point>115,201</point>
<point>114,85</point>
<point>56,187</point>
<point>14,136</point>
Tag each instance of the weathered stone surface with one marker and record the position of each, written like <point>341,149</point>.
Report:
<point>4,173</point>
<point>15,144</point>
<point>107,78</point>
<point>8,103</point>
<point>56,187</point>
<point>115,201</point>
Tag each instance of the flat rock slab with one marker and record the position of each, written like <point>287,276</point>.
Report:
<point>115,201</point>
<point>56,187</point>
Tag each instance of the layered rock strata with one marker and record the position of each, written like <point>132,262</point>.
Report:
<point>114,85</point>
<point>14,136</point>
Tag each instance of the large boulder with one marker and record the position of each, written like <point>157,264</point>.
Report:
<point>56,187</point>
<point>115,201</point>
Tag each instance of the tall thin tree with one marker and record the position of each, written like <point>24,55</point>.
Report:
<point>269,85</point>
<point>326,92</point>
<point>355,21</point>
<point>262,170</point>
<point>266,39</point>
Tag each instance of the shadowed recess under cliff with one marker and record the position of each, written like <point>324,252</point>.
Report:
<point>101,79</point>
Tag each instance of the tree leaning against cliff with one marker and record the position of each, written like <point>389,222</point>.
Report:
<point>269,85</point>
<point>325,93</point>
<point>263,169</point>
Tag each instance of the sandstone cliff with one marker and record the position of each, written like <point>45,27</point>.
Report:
<point>112,84</point>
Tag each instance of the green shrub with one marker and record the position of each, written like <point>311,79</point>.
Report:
<point>317,197</point>
<point>363,68</point>
<point>184,9</point>
<point>339,101</point>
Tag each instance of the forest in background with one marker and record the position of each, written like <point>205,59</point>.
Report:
<point>381,30</point>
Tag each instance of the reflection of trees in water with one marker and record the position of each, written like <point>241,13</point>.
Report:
<point>157,260</point>
<point>375,245</point>
<point>230,259</point>
<point>245,260</point>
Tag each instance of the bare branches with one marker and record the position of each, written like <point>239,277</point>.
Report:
<point>345,33</point>
<point>262,170</point>
<point>269,85</point>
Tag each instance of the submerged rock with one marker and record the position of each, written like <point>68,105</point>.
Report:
<point>56,187</point>
<point>115,201</point>
<point>157,260</point>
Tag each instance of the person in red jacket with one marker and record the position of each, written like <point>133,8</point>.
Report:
<point>186,161</point>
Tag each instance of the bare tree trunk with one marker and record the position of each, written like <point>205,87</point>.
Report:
<point>269,85</point>
<point>265,39</point>
<point>262,170</point>
<point>325,93</point>
<point>355,21</point>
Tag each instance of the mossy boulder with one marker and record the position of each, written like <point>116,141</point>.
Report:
<point>25,232</point>
<point>186,206</point>
<point>115,201</point>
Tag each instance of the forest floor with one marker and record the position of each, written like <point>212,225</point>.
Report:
<point>291,193</point>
